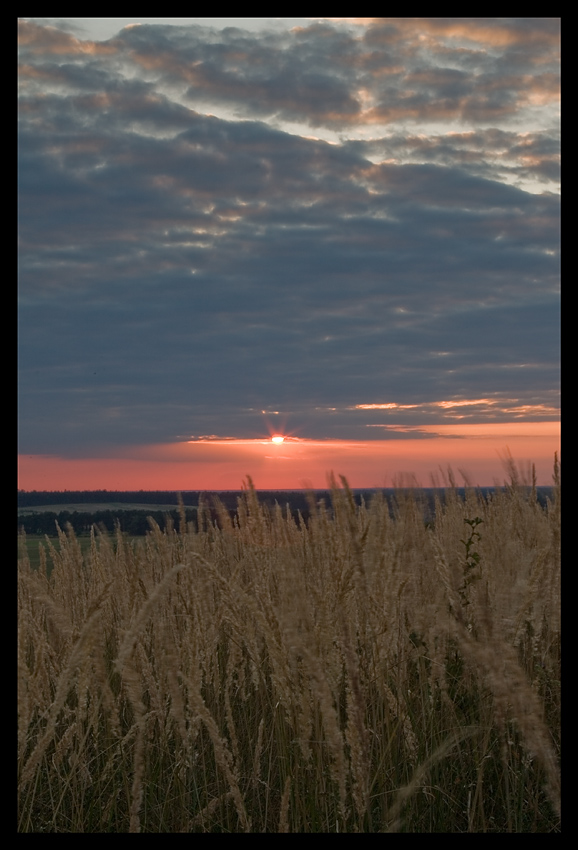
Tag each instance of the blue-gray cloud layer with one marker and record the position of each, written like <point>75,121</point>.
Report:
<point>215,223</point>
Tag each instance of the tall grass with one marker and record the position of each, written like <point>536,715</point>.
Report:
<point>366,671</point>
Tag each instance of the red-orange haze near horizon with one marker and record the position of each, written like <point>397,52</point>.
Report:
<point>287,463</point>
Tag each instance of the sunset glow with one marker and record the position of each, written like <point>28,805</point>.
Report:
<point>478,451</point>
<point>285,247</point>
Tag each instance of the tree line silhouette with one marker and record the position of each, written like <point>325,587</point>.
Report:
<point>134,521</point>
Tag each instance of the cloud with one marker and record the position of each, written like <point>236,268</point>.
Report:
<point>180,271</point>
<point>409,69</point>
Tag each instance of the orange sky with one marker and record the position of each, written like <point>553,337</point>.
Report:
<point>225,464</point>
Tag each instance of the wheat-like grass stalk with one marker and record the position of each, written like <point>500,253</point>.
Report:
<point>337,670</point>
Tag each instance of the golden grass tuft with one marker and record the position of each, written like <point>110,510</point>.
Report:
<point>366,669</point>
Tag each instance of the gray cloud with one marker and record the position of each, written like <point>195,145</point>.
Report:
<point>180,271</point>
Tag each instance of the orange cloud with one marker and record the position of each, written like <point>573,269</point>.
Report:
<point>224,464</point>
<point>47,39</point>
<point>479,407</point>
<point>475,30</point>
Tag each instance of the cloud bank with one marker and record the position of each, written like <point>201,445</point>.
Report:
<point>353,223</point>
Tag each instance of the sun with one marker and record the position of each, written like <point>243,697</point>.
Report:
<point>277,438</point>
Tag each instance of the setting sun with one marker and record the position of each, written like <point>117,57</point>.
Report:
<point>277,439</point>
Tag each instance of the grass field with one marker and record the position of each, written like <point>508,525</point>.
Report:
<point>31,544</point>
<point>364,672</point>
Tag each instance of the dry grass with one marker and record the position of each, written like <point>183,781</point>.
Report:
<point>363,672</point>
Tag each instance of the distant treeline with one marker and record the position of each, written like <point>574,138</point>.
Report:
<point>135,521</point>
<point>297,499</point>
<point>131,522</point>
<point>33,498</point>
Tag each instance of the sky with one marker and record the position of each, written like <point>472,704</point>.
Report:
<point>341,231</point>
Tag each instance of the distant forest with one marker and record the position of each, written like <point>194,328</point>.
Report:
<point>131,522</point>
<point>134,521</point>
<point>30,498</point>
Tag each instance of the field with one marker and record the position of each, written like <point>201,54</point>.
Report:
<point>35,541</point>
<point>31,546</point>
<point>364,671</point>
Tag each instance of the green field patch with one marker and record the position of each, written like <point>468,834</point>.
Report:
<point>33,542</point>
